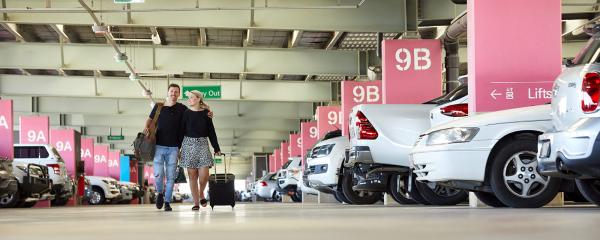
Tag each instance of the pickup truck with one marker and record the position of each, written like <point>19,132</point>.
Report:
<point>381,137</point>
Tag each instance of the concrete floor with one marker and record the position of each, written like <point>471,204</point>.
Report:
<point>298,221</point>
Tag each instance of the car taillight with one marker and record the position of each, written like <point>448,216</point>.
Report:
<point>590,91</point>
<point>365,128</point>
<point>263,183</point>
<point>56,168</point>
<point>456,110</point>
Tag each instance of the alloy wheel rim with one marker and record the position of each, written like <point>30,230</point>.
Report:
<point>521,177</point>
<point>7,199</point>
<point>95,197</point>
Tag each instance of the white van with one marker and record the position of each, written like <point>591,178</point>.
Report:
<point>46,155</point>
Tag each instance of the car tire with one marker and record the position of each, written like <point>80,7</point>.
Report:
<point>60,202</point>
<point>414,193</point>
<point>339,194</point>
<point>514,177</point>
<point>356,197</point>
<point>97,197</point>
<point>441,195</point>
<point>297,196</point>
<point>590,189</point>
<point>276,197</point>
<point>398,189</point>
<point>11,200</point>
<point>489,199</point>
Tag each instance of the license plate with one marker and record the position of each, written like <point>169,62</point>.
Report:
<point>545,149</point>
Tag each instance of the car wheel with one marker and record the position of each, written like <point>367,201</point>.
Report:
<point>60,202</point>
<point>276,197</point>
<point>11,200</point>
<point>514,177</point>
<point>436,194</point>
<point>489,199</point>
<point>357,197</point>
<point>97,196</point>
<point>590,189</point>
<point>340,195</point>
<point>398,189</point>
<point>414,193</point>
<point>297,196</point>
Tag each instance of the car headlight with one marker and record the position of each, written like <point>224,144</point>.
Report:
<point>325,150</point>
<point>451,135</point>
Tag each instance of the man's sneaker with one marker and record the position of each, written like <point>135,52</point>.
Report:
<point>168,207</point>
<point>160,200</point>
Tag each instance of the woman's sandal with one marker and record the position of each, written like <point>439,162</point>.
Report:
<point>196,208</point>
<point>203,202</point>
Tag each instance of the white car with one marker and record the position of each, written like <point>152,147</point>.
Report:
<point>288,178</point>
<point>129,191</point>
<point>572,149</point>
<point>47,155</point>
<point>325,162</point>
<point>266,187</point>
<point>381,137</point>
<point>492,154</point>
<point>104,189</point>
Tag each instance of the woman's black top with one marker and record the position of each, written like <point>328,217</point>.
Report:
<point>197,124</point>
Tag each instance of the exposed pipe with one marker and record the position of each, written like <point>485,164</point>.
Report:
<point>77,10</point>
<point>112,42</point>
<point>450,40</point>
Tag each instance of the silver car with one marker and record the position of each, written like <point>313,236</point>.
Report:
<point>266,187</point>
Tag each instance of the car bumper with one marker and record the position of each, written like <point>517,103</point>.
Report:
<point>61,191</point>
<point>457,161</point>
<point>321,172</point>
<point>114,194</point>
<point>358,154</point>
<point>8,186</point>
<point>264,192</point>
<point>571,153</point>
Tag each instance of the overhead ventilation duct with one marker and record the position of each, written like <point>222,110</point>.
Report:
<point>450,39</point>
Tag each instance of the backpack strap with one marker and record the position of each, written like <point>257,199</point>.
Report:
<point>153,125</point>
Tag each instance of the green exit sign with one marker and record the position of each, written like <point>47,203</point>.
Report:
<point>210,92</point>
<point>116,138</point>
<point>218,161</point>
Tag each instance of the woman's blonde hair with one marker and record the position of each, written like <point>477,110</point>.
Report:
<point>200,96</point>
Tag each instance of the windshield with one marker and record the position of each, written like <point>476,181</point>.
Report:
<point>589,53</point>
<point>286,164</point>
<point>455,94</point>
<point>58,157</point>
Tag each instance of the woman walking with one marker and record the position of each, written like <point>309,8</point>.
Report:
<point>195,154</point>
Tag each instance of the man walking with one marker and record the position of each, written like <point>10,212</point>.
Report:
<point>168,142</point>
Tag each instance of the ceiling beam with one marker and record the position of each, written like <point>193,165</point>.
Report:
<point>60,30</point>
<point>249,41</point>
<point>202,39</point>
<point>155,36</point>
<point>12,29</point>
<point>296,36</point>
<point>336,36</point>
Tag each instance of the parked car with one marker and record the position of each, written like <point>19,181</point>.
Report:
<point>8,182</point>
<point>325,162</point>
<point>572,149</point>
<point>47,155</point>
<point>104,189</point>
<point>381,137</point>
<point>288,178</point>
<point>129,191</point>
<point>492,154</point>
<point>34,184</point>
<point>266,187</point>
<point>87,191</point>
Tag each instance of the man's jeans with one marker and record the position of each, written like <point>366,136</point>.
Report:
<point>165,161</point>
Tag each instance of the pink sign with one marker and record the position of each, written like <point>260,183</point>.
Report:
<point>295,145</point>
<point>101,160</point>
<point>66,143</point>
<point>149,174</point>
<point>285,152</point>
<point>34,129</point>
<point>271,163</point>
<point>328,119</point>
<point>277,157</point>
<point>87,155</point>
<point>6,129</point>
<point>501,75</point>
<point>133,171</point>
<point>356,93</point>
<point>309,135</point>
<point>412,71</point>
<point>114,164</point>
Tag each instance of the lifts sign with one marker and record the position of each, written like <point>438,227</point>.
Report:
<point>412,71</point>
<point>356,93</point>
<point>6,129</point>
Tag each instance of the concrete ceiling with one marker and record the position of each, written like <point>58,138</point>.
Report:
<point>274,60</point>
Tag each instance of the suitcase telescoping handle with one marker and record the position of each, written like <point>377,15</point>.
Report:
<point>224,164</point>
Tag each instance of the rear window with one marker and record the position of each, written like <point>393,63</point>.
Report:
<point>332,134</point>
<point>459,92</point>
<point>589,53</point>
<point>31,152</point>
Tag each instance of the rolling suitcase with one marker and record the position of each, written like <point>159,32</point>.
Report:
<point>221,188</point>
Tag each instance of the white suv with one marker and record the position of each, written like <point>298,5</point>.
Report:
<point>288,178</point>
<point>572,149</point>
<point>324,163</point>
<point>104,189</point>
<point>46,155</point>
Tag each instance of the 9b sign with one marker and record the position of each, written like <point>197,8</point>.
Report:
<point>369,94</point>
<point>419,60</point>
